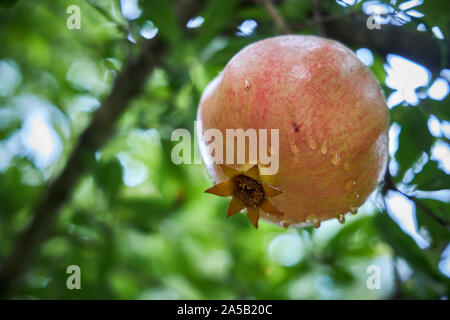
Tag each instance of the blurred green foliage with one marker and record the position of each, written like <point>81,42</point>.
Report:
<point>141,227</point>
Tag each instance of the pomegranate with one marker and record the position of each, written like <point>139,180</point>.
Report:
<point>333,129</point>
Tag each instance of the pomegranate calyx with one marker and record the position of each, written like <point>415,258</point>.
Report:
<point>247,191</point>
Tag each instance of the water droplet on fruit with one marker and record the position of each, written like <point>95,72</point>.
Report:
<point>293,147</point>
<point>324,147</point>
<point>247,84</point>
<point>285,224</point>
<point>336,159</point>
<point>313,219</point>
<point>312,144</point>
<point>341,218</point>
<point>354,210</point>
<point>350,184</point>
<point>354,196</point>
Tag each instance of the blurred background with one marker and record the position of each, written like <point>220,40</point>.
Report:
<point>86,176</point>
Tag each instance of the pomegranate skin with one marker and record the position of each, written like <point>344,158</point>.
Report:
<point>331,115</point>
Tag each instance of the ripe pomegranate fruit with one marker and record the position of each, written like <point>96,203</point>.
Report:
<point>333,129</point>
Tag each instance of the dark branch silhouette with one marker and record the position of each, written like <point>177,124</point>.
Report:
<point>389,185</point>
<point>128,84</point>
<point>275,15</point>
<point>417,46</point>
<point>317,15</point>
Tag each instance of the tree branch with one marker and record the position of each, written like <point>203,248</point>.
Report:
<point>417,46</point>
<point>128,84</point>
<point>276,17</point>
<point>389,185</point>
<point>317,15</point>
<point>414,45</point>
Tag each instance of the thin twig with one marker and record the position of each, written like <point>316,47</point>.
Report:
<point>275,15</point>
<point>426,209</point>
<point>389,185</point>
<point>122,27</point>
<point>397,293</point>
<point>317,15</point>
<point>299,26</point>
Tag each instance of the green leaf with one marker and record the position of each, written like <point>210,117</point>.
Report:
<point>431,178</point>
<point>378,69</point>
<point>433,13</point>
<point>143,215</point>
<point>217,16</point>
<point>351,239</point>
<point>12,189</point>
<point>341,274</point>
<point>8,127</point>
<point>403,245</point>
<point>414,138</point>
<point>439,108</point>
<point>7,3</point>
<point>439,233</point>
<point>222,56</point>
<point>109,178</point>
<point>162,14</point>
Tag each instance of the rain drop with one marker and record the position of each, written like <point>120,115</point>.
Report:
<point>247,84</point>
<point>312,144</point>
<point>148,30</point>
<point>354,196</point>
<point>285,224</point>
<point>336,159</point>
<point>324,148</point>
<point>354,210</point>
<point>293,147</point>
<point>350,184</point>
<point>313,219</point>
<point>341,218</point>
